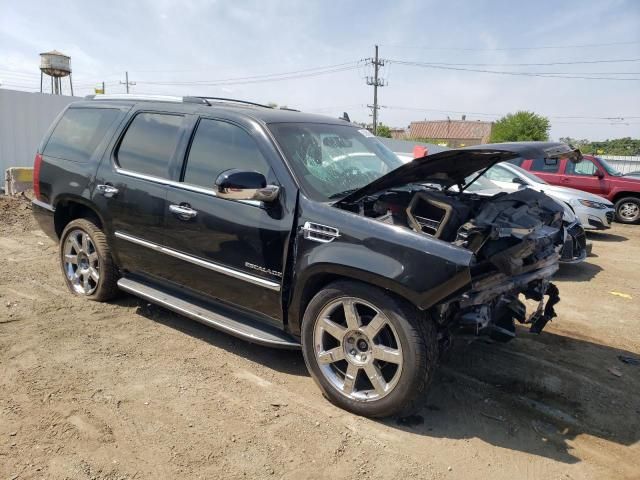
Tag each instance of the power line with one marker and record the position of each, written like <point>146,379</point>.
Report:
<point>545,47</point>
<point>310,72</point>
<point>617,117</point>
<point>352,62</point>
<point>501,72</point>
<point>572,62</point>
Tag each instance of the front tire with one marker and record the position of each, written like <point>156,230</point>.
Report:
<point>628,210</point>
<point>369,352</point>
<point>87,265</point>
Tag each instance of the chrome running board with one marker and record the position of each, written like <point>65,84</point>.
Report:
<point>224,318</point>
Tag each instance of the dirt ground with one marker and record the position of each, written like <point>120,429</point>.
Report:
<point>128,390</point>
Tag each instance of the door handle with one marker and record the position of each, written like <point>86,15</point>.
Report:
<point>107,190</point>
<point>183,211</point>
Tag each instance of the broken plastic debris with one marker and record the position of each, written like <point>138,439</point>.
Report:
<point>614,371</point>
<point>623,295</point>
<point>629,360</point>
<point>499,418</point>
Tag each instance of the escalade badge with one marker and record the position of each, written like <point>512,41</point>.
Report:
<point>262,269</point>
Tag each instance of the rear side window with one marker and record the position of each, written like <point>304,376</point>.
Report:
<point>78,133</point>
<point>218,146</point>
<point>549,165</point>
<point>516,161</point>
<point>150,143</point>
<point>584,167</point>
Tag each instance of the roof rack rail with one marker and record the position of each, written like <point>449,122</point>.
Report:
<point>134,96</point>
<point>173,98</point>
<point>234,100</point>
<point>200,100</point>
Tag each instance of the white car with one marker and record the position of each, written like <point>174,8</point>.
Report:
<point>575,249</point>
<point>593,211</point>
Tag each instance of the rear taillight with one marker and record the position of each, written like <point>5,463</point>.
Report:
<point>37,163</point>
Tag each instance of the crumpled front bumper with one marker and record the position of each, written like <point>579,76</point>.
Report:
<point>575,248</point>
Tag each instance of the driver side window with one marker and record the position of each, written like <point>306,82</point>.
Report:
<point>218,146</point>
<point>584,167</point>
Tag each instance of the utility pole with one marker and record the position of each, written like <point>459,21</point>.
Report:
<point>126,81</point>
<point>375,82</point>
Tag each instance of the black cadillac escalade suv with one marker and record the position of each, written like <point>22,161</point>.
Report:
<point>295,230</point>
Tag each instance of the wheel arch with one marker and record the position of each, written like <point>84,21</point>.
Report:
<point>316,279</point>
<point>622,194</point>
<point>69,208</point>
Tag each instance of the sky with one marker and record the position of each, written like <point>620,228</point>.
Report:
<point>312,55</point>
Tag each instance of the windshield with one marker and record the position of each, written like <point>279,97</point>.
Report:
<point>331,161</point>
<point>610,170</point>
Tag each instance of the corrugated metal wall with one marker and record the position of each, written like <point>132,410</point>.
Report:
<point>624,164</point>
<point>24,119</point>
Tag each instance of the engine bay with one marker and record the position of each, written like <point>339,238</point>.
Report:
<point>489,226</point>
<point>516,238</point>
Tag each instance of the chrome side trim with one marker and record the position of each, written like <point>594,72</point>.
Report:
<point>320,233</point>
<point>181,185</point>
<point>46,206</point>
<point>261,282</point>
<point>195,315</point>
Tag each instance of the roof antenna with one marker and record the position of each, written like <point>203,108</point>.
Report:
<point>345,117</point>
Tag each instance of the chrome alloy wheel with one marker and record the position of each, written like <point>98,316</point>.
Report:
<point>358,349</point>
<point>630,211</point>
<point>81,262</point>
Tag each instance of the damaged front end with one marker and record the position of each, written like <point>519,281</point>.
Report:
<point>516,239</point>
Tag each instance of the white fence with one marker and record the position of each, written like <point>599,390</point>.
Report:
<point>24,119</point>
<point>624,164</point>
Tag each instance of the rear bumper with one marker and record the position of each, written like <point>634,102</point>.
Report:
<point>44,215</point>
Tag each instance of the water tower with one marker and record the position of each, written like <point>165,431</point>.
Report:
<point>57,65</point>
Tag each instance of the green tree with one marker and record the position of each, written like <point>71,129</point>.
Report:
<point>383,131</point>
<point>520,126</point>
<point>575,142</point>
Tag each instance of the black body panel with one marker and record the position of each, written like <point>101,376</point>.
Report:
<point>421,269</point>
<point>44,215</point>
<point>265,257</point>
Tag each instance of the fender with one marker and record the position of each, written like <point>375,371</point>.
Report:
<point>420,269</point>
<point>624,191</point>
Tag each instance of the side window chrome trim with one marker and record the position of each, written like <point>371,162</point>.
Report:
<point>261,282</point>
<point>181,185</point>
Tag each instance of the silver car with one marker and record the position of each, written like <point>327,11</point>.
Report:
<point>575,249</point>
<point>593,211</point>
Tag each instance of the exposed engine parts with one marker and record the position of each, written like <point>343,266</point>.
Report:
<point>516,239</point>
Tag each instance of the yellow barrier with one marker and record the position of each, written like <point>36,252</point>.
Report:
<point>18,179</point>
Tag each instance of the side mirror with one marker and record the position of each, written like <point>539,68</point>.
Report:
<point>518,180</point>
<point>598,174</point>
<point>241,185</point>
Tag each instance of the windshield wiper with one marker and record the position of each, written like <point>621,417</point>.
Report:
<point>343,194</point>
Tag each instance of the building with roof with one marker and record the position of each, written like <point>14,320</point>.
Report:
<point>452,133</point>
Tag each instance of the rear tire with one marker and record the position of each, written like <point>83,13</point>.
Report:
<point>628,210</point>
<point>369,352</point>
<point>87,265</point>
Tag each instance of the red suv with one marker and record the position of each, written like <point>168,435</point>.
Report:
<point>591,174</point>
